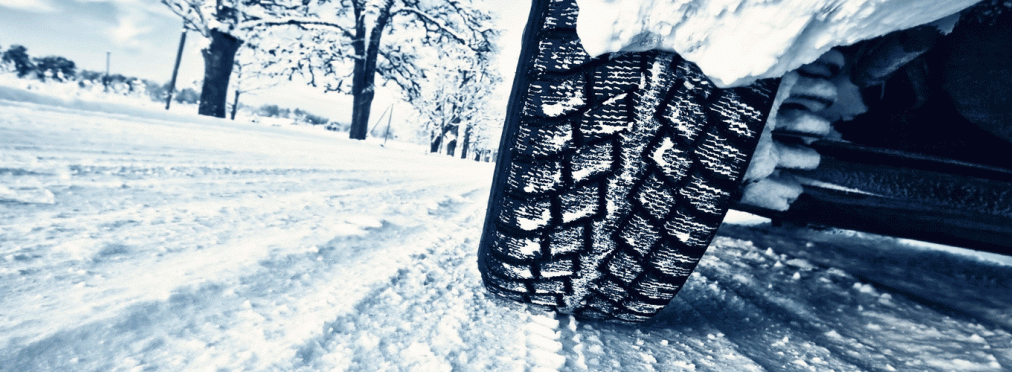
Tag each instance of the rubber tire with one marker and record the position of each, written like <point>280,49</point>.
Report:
<point>613,173</point>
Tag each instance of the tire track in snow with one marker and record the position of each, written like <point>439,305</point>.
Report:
<point>432,316</point>
<point>891,304</point>
<point>819,317</point>
<point>543,342</point>
<point>257,239</point>
<point>572,343</point>
<point>553,342</point>
<point>167,240</point>
<point>193,256</point>
<point>758,334</point>
<point>250,322</point>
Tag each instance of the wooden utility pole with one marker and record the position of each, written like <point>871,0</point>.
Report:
<point>235,105</point>
<point>386,134</point>
<point>175,69</point>
<point>106,80</point>
<point>374,126</point>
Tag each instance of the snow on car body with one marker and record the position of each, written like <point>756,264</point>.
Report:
<point>735,42</point>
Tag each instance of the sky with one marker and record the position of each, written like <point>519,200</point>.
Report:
<point>141,38</point>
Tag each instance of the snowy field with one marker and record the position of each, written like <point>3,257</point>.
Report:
<point>138,240</point>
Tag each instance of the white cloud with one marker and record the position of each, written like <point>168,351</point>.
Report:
<point>133,19</point>
<point>36,6</point>
<point>131,24</point>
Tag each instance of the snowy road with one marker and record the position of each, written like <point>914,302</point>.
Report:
<point>131,243</point>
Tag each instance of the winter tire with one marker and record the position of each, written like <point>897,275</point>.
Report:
<point>613,173</point>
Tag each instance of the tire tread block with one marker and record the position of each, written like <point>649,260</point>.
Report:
<point>705,197</point>
<point>656,198</point>
<point>561,55</point>
<point>580,203</point>
<point>517,249</point>
<point>640,235</point>
<point>523,216</point>
<point>555,98</point>
<point>543,142</point>
<point>567,241</point>
<point>592,162</point>
<point>544,177</point>
<point>561,15</point>
<point>621,75</point>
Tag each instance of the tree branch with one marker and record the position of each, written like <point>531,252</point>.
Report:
<point>301,23</point>
<point>189,11</point>
<point>428,19</point>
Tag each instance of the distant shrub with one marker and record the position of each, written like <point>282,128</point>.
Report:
<point>56,67</point>
<point>156,91</point>
<point>306,117</point>
<point>187,95</point>
<point>17,56</point>
<point>338,127</point>
<point>271,111</point>
<point>313,119</point>
<point>114,79</point>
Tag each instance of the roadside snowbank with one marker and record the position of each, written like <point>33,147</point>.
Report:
<point>121,105</point>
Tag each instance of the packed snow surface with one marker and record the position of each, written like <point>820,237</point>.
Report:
<point>737,41</point>
<point>142,241</point>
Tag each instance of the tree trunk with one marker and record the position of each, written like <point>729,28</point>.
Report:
<point>366,44</point>
<point>451,145</point>
<point>435,140</point>
<point>218,60</point>
<point>434,144</point>
<point>235,104</point>
<point>464,143</point>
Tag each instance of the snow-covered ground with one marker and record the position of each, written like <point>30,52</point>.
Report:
<point>138,240</point>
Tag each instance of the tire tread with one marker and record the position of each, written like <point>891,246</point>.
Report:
<point>602,218</point>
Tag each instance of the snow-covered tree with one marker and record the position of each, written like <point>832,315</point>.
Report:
<point>330,41</point>
<point>360,39</point>
<point>482,115</point>
<point>454,97</point>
